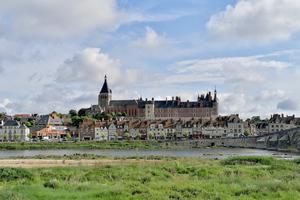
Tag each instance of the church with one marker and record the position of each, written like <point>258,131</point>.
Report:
<point>206,106</point>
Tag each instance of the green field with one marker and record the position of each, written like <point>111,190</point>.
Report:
<point>174,179</point>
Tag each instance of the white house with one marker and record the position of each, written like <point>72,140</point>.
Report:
<point>14,131</point>
<point>213,131</point>
<point>101,132</point>
<point>112,132</point>
<point>156,130</point>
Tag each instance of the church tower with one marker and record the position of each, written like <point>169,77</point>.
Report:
<point>105,95</point>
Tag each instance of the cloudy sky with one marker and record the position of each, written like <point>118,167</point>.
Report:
<point>54,54</point>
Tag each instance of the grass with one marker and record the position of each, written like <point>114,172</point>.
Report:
<point>81,145</point>
<point>242,178</point>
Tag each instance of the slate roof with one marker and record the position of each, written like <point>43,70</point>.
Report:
<point>105,88</point>
<point>276,118</point>
<point>161,103</point>
<point>11,123</point>
<point>48,120</point>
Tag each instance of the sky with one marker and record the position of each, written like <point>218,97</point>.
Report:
<point>54,54</point>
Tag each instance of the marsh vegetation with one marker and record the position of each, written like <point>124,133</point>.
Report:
<point>170,179</point>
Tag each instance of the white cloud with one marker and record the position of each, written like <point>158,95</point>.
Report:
<point>5,106</point>
<point>151,40</point>
<point>258,20</point>
<point>226,70</point>
<point>288,104</point>
<point>89,67</point>
<point>263,104</point>
<point>9,50</point>
<point>270,95</point>
<point>68,18</point>
<point>57,18</point>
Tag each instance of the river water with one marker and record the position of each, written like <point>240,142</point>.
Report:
<point>192,153</point>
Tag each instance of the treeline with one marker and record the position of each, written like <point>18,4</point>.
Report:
<point>82,114</point>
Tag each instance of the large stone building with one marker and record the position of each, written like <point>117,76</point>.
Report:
<point>206,106</point>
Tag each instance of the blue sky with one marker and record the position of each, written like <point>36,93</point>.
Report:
<point>54,54</point>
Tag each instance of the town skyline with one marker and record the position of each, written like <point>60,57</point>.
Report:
<point>171,49</point>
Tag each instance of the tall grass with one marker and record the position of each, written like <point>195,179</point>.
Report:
<point>180,179</point>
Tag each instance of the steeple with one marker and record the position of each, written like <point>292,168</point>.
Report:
<point>105,95</point>
<point>105,88</point>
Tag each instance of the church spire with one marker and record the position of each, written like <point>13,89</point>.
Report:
<point>105,88</point>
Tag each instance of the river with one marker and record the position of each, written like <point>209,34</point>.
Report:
<point>192,153</point>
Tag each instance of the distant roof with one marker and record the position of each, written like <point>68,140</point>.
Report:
<point>22,116</point>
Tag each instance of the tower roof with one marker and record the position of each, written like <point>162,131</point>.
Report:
<point>105,88</point>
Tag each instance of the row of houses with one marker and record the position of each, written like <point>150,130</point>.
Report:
<point>47,127</point>
<point>54,127</point>
<point>228,126</point>
<point>276,123</point>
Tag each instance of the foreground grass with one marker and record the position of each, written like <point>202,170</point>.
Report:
<point>81,145</point>
<point>173,179</point>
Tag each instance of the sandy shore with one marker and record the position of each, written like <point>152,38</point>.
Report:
<point>36,163</point>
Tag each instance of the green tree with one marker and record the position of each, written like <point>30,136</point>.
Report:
<point>73,113</point>
<point>82,112</point>
<point>5,136</point>
<point>68,136</point>
<point>2,114</point>
<point>246,133</point>
<point>17,119</point>
<point>17,137</point>
<point>28,124</point>
<point>255,119</point>
<point>76,120</point>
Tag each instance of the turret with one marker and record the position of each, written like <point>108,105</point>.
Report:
<point>215,95</point>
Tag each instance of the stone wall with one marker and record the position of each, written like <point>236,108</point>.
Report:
<point>288,140</point>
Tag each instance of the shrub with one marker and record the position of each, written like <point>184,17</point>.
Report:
<point>53,184</point>
<point>248,160</point>
<point>297,161</point>
<point>11,174</point>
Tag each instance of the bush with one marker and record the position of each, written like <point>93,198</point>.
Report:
<point>248,160</point>
<point>297,161</point>
<point>53,184</point>
<point>11,174</point>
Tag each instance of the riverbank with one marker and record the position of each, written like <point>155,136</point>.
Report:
<point>165,179</point>
<point>81,145</point>
<point>61,162</point>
